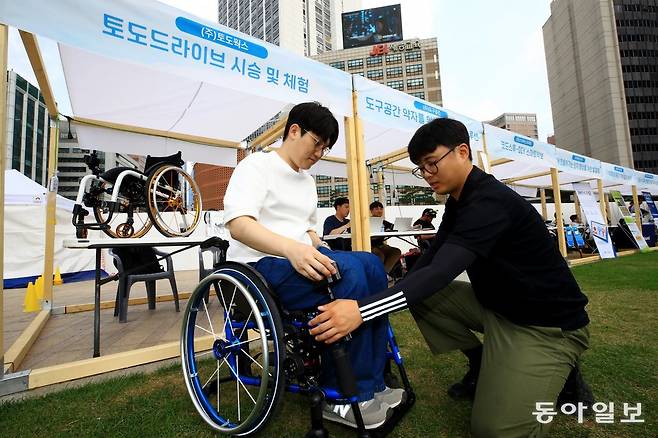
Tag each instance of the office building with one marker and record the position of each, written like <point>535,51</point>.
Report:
<point>522,123</point>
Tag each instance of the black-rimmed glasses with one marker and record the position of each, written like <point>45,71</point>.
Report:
<point>430,168</point>
<point>318,143</point>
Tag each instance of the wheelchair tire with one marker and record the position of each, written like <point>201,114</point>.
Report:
<point>168,207</point>
<point>215,350</point>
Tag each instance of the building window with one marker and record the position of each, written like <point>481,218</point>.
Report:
<point>374,61</point>
<point>414,69</point>
<point>414,84</point>
<point>324,191</point>
<point>354,64</point>
<point>394,72</point>
<point>394,58</point>
<point>413,56</point>
<point>398,85</point>
<point>418,94</point>
<point>376,75</point>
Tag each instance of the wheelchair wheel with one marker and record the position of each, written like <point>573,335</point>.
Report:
<point>232,350</point>
<point>118,226</point>
<point>172,210</point>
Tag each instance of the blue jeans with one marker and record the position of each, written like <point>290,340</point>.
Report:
<point>362,274</point>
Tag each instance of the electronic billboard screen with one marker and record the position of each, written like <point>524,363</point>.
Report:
<point>372,26</point>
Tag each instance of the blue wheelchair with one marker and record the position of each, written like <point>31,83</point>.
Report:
<point>240,350</point>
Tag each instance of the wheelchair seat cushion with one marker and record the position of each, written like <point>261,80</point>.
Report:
<point>112,174</point>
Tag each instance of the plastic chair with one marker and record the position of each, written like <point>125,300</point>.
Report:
<point>127,280</point>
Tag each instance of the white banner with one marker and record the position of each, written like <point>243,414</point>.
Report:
<point>164,38</point>
<point>597,226</point>
<point>506,144</point>
<point>646,181</point>
<point>575,164</point>
<point>613,174</point>
<point>388,107</point>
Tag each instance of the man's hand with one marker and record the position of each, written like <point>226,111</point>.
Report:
<point>338,319</point>
<point>309,262</point>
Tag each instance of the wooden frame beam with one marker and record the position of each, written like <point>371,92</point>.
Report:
<point>391,157</point>
<point>34,55</point>
<point>19,349</point>
<point>270,136</point>
<point>521,178</point>
<point>4,48</point>
<point>499,161</point>
<point>158,133</point>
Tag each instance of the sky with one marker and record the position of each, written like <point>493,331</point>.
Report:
<point>491,53</point>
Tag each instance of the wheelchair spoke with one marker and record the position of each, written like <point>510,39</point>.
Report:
<point>215,373</point>
<point>212,330</point>
<point>237,384</point>
<point>251,312</point>
<point>205,330</point>
<point>256,362</point>
<point>227,310</point>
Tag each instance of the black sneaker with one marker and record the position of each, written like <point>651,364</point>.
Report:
<point>576,390</point>
<point>465,389</point>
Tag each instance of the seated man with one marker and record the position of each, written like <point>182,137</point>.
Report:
<point>389,255</point>
<point>271,212</point>
<point>425,223</point>
<point>338,224</point>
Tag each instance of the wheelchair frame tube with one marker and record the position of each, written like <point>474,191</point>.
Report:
<point>122,175</point>
<point>83,186</point>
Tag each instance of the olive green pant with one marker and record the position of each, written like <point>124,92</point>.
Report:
<point>521,365</point>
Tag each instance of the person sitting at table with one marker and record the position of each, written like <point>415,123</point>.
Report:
<point>338,223</point>
<point>389,255</point>
<point>425,223</point>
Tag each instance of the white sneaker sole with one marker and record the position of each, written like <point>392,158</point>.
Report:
<point>341,420</point>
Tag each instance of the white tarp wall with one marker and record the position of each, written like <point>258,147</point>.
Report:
<point>25,220</point>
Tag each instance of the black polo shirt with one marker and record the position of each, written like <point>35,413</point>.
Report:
<point>518,271</point>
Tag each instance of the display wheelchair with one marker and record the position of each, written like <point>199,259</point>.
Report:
<point>127,202</point>
<point>240,350</point>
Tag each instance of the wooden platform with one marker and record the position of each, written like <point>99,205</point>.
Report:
<point>68,337</point>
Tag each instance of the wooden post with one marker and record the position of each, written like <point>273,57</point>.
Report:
<point>542,196</point>
<point>576,204</point>
<point>51,216</point>
<point>364,181</point>
<point>638,214</point>
<point>352,179</point>
<point>4,42</point>
<point>603,201</point>
<point>562,242</point>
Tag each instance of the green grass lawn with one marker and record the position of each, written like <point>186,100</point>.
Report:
<point>620,366</point>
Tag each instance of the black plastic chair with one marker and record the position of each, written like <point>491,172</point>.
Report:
<point>126,280</point>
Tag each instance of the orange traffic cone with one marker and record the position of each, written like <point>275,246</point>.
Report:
<point>31,303</point>
<point>58,278</point>
<point>38,288</point>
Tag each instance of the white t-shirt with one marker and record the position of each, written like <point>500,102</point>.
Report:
<point>266,188</point>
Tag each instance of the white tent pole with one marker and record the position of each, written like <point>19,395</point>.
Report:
<point>4,42</point>
<point>562,242</point>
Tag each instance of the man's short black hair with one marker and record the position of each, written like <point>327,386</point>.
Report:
<point>340,201</point>
<point>573,217</point>
<point>312,116</point>
<point>376,204</point>
<point>438,132</point>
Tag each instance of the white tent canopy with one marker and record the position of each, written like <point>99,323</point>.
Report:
<point>149,65</point>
